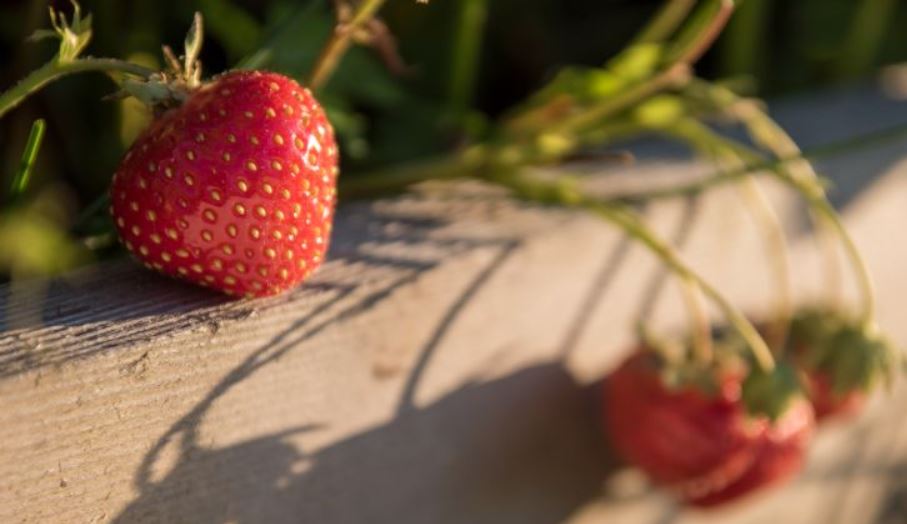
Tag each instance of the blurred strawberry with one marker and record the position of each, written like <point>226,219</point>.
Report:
<point>829,403</point>
<point>779,453</point>
<point>842,359</point>
<point>725,430</point>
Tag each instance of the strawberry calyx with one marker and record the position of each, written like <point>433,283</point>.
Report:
<point>767,394</point>
<point>851,355</point>
<point>679,368</point>
<point>771,394</point>
<point>676,366</point>
<point>172,87</point>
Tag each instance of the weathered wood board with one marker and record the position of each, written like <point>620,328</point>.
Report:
<point>441,367</point>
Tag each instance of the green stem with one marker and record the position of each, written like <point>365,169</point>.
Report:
<point>699,35</point>
<point>340,41</point>
<point>396,178</point>
<point>54,70</point>
<point>704,353</point>
<point>597,112</point>
<point>633,226</point>
<point>804,179</point>
<point>729,176</point>
<point>623,217</point>
<point>864,279</point>
<point>776,247</point>
<point>701,138</point>
<point>815,198</point>
<point>668,19</point>
<point>770,136</point>
<point>20,181</point>
<point>694,41</point>
<point>689,49</point>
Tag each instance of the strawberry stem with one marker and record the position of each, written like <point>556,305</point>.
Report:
<point>466,164</point>
<point>802,177</point>
<point>699,35</point>
<point>668,19</point>
<point>340,41</point>
<point>728,176</point>
<point>704,140</point>
<point>703,352</point>
<point>620,215</point>
<point>55,70</point>
<point>776,247</point>
<point>762,132</point>
<point>568,131</point>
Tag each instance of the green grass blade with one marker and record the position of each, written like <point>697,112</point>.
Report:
<point>20,181</point>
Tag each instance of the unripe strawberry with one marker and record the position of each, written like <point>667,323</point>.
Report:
<point>234,188</point>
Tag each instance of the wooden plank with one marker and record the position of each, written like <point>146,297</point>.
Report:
<point>441,367</point>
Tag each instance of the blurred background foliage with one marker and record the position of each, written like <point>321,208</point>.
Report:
<point>384,111</point>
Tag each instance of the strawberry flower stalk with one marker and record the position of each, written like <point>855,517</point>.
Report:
<point>74,35</point>
<point>843,356</point>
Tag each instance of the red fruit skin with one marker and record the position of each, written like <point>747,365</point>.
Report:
<point>827,403</point>
<point>680,438</point>
<point>780,453</point>
<point>706,449</point>
<point>235,189</point>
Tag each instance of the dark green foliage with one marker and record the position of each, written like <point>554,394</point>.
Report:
<point>384,117</point>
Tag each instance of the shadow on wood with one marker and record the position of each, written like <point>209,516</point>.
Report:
<point>132,305</point>
<point>522,448</point>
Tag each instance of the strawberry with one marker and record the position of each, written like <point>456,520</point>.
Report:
<point>233,188</point>
<point>779,453</point>
<point>706,446</point>
<point>827,402</point>
<point>842,360</point>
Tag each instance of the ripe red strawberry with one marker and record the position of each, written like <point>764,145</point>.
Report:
<point>779,453</point>
<point>676,436</point>
<point>234,189</point>
<point>829,403</point>
<point>704,446</point>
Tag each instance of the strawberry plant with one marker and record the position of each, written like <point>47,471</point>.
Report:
<point>232,185</point>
